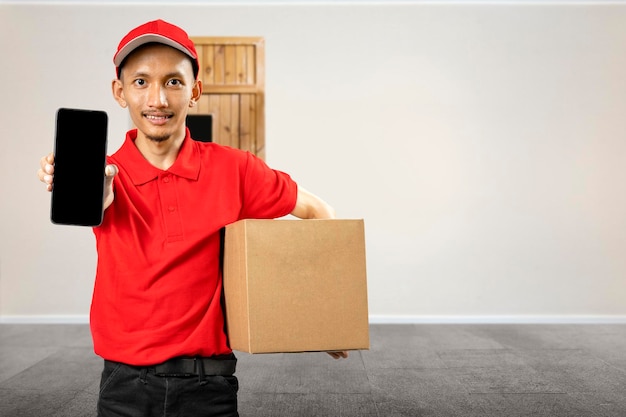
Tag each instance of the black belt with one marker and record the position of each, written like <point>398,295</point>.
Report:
<point>183,366</point>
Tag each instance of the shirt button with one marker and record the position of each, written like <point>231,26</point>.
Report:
<point>171,209</point>
<point>166,179</point>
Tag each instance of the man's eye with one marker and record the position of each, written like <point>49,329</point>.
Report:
<point>174,82</point>
<point>140,82</point>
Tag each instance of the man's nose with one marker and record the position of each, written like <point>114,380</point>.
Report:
<point>156,97</point>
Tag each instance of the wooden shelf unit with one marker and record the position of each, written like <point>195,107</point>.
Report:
<point>232,71</point>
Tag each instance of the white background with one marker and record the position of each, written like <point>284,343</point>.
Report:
<point>483,144</point>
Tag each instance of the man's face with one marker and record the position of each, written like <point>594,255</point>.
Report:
<point>158,87</point>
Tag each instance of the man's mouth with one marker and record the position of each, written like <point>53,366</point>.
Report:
<point>157,118</point>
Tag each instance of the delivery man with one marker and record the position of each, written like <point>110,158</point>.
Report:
<point>156,314</point>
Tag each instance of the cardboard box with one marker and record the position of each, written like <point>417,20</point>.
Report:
<point>296,285</point>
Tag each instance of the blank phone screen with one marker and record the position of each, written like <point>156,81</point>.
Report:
<point>79,163</point>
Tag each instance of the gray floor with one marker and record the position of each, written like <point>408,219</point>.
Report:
<point>411,370</point>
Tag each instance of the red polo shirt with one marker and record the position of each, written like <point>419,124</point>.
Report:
<point>158,283</point>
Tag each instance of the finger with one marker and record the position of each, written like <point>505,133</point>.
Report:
<point>46,179</point>
<point>46,161</point>
<point>338,355</point>
<point>46,166</point>
<point>111,171</point>
<point>43,161</point>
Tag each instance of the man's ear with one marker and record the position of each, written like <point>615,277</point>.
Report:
<point>118,92</point>
<point>196,93</point>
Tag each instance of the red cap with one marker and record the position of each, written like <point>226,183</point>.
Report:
<point>158,31</point>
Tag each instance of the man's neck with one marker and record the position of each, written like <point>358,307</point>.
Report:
<point>160,154</point>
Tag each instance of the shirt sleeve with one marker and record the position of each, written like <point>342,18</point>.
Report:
<point>267,193</point>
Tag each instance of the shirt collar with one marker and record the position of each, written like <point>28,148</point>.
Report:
<point>140,171</point>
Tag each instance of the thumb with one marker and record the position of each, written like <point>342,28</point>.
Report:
<point>110,171</point>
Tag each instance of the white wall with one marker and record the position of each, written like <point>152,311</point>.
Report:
<point>483,144</point>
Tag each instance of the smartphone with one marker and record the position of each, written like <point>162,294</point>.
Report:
<point>79,162</point>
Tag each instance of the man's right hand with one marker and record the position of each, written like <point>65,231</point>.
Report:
<point>46,171</point>
<point>46,175</point>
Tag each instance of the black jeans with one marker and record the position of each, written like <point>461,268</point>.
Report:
<point>129,391</point>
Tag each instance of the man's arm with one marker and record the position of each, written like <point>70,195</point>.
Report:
<point>310,206</point>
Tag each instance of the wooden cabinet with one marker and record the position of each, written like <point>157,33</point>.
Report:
<point>233,79</point>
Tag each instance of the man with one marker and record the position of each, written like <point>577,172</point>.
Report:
<point>156,314</point>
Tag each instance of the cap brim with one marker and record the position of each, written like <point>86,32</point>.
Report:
<point>144,39</point>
